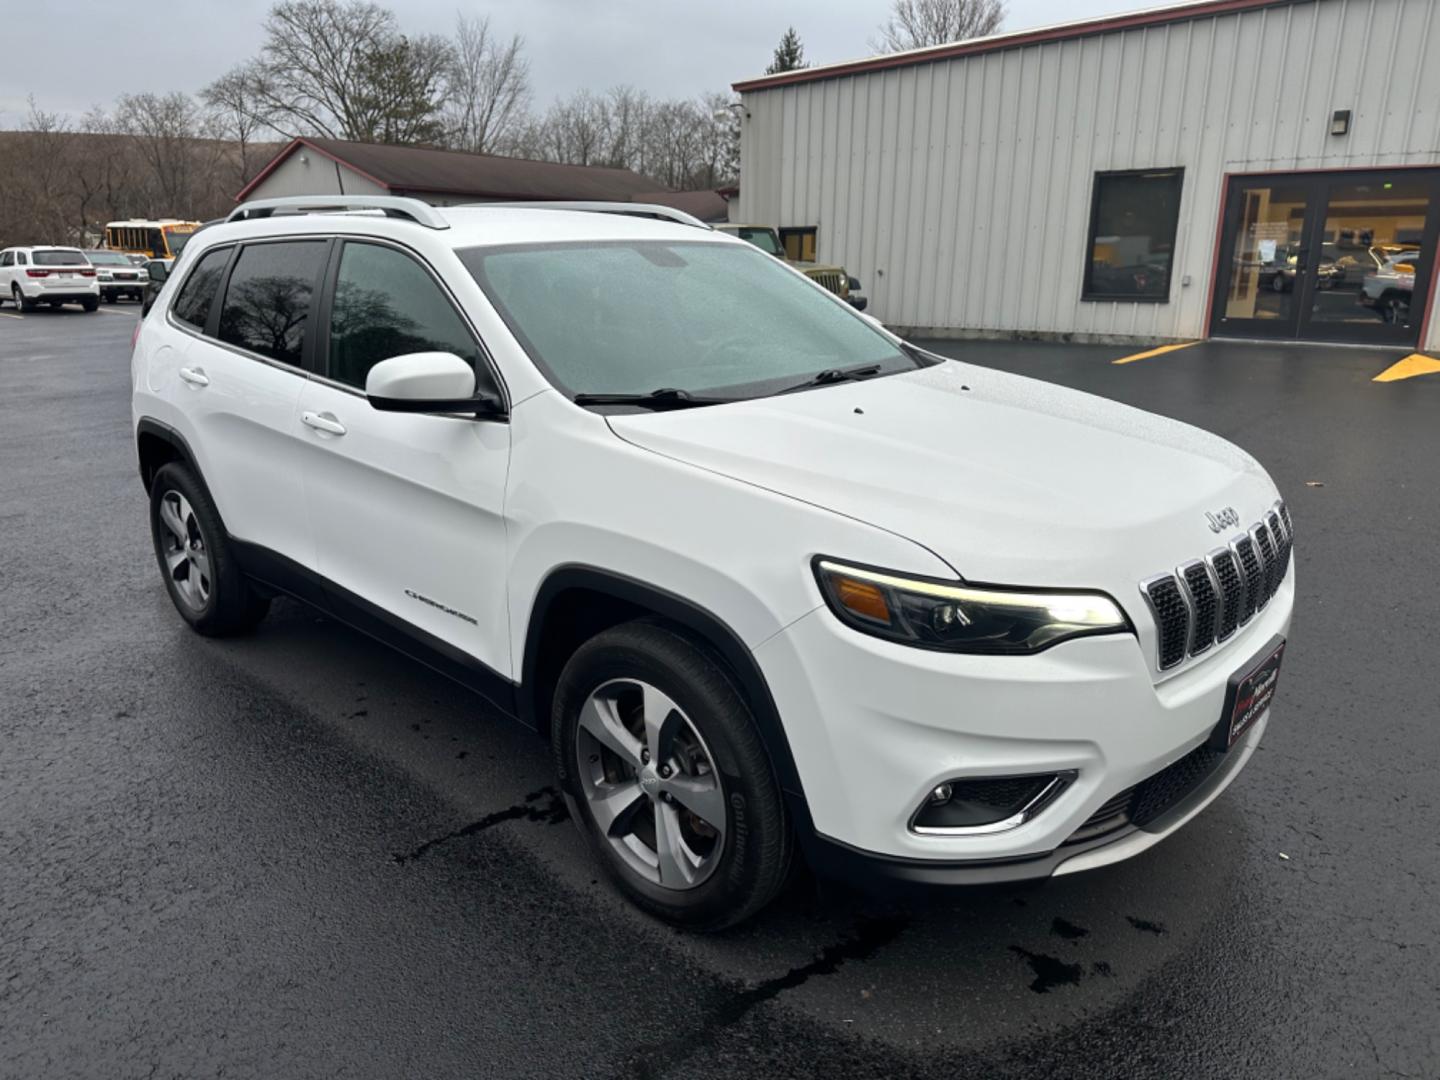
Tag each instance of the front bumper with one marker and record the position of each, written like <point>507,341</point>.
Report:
<point>874,726</point>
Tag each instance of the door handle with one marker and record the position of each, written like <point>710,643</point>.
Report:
<point>324,421</point>
<point>195,376</point>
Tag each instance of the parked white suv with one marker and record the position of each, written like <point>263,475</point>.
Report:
<point>31,276</point>
<point>765,575</point>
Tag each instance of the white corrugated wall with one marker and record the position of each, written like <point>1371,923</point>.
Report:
<point>959,191</point>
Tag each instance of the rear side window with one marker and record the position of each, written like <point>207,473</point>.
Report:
<point>198,293</point>
<point>7,258</point>
<point>386,304</point>
<point>267,302</point>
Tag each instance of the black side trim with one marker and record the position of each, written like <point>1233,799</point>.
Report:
<point>278,572</point>
<point>165,433</point>
<point>700,622</point>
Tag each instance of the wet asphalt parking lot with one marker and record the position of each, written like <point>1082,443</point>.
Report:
<point>300,854</point>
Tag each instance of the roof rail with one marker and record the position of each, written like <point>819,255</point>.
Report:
<point>422,213</point>
<point>645,210</point>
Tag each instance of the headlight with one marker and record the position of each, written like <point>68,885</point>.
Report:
<point>963,618</point>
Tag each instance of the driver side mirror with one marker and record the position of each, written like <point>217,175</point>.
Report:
<point>158,272</point>
<point>427,382</point>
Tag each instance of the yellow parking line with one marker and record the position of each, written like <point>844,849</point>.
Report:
<point>1408,368</point>
<point>1154,352</point>
<point>8,315</point>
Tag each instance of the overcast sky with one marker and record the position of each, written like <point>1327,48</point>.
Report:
<point>92,51</point>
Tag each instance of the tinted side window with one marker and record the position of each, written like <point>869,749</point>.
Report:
<point>198,293</point>
<point>6,258</point>
<point>268,299</point>
<point>387,305</point>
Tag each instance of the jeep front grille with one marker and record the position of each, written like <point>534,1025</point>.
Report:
<point>1204,601</point>
<point>831,279</point>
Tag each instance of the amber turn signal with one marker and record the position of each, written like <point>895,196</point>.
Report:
<point>862,598</point>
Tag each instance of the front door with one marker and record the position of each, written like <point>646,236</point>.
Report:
<point>1344,257</point>
<point>406,509</point>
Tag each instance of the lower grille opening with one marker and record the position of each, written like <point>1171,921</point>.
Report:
<point>1151,798</point>
<point>967,804</point>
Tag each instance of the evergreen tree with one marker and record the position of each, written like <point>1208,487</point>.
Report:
<point>789,54</point>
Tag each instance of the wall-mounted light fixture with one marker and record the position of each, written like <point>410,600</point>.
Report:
<point>1340,122</point>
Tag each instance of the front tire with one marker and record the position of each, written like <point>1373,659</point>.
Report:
<point>667,777</point>
<point>195,558</point>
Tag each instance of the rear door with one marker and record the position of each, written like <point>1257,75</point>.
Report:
<point>238,378</point>
<point>407,509</point>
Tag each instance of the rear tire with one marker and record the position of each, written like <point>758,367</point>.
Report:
<point>691,825</point>
<point>22,303</point>
<point>1394,310</point>
<point>196,561</point>
<point>91,305</point>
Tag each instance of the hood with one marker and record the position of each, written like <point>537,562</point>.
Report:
<point>1010,480</point>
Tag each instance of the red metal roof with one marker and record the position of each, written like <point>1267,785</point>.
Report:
<point>1012,40</point>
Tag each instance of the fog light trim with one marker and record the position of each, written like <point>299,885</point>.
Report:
<point>1037,803</point>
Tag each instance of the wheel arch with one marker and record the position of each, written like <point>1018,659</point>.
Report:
<point>158,444</point>
<point>575,601</point>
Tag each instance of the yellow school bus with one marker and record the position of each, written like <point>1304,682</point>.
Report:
<point>161,239</point>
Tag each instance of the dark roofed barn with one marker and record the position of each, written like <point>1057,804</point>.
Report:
<point>313,166</point>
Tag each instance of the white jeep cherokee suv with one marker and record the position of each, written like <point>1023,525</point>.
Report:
<point>766,576</point>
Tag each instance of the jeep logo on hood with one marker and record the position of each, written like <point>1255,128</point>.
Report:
<point>1222,520</point>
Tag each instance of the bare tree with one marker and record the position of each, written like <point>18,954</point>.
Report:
<point>719,145</point>
<point>488,88</point>
<point>917,24</point>
<point>239,114</point>
<point>311,69</point>
<point>164,127</point>
<point>575,129</point>
<point>38,183</point>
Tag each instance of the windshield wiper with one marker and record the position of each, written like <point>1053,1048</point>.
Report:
<point>665,398</point>
<point>834,375</point>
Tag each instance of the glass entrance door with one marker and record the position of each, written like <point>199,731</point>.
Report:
<point>1265,242</point>
<point>1375,250</point>
<point>1328,256</point>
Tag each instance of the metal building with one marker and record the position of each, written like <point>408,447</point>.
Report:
<point>1244,168</point>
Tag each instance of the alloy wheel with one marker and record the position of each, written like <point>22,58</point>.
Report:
<point>186,557</point>
<point>650,784</point>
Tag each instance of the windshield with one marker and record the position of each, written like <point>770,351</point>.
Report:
<point>764,239</point>
<point>713,319</point>
<point>108,258</point>
<point>57,257</point>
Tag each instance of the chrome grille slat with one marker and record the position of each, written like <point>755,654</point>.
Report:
<point>1232,591</point>
<point>1207,600</point>
<point>1172,614</point>
<point>1195,577</point>
<point>1265,548</point>
<point>1250,569</point>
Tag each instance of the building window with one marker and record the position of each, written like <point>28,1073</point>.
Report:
<point>799,244</point>
<point>1133,219</point>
